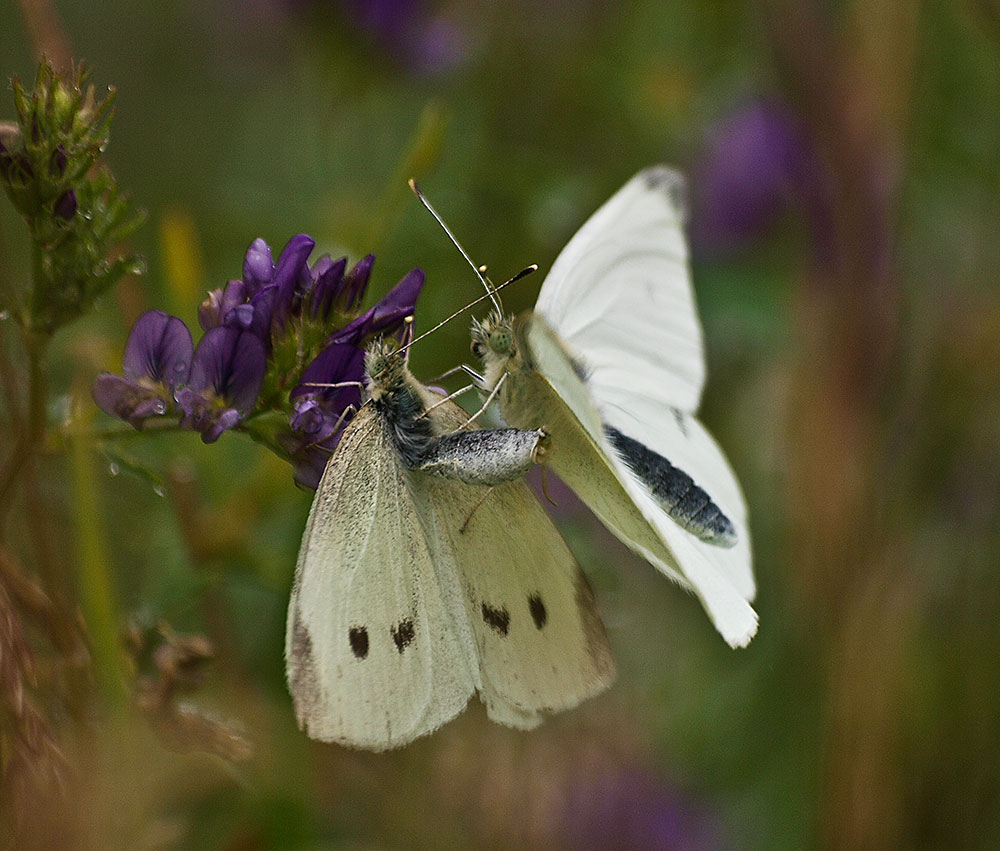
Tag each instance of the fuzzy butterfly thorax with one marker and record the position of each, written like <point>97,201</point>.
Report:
<point>397,396</point>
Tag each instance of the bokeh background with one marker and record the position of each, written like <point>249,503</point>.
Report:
<point>845,209</point>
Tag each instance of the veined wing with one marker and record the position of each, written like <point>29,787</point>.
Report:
<point>720,577</point>
<point>373,659</point>
<point>620,295</point>
<point>539,639</point>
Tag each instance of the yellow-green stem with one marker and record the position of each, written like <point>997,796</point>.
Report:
<point>97,599</point>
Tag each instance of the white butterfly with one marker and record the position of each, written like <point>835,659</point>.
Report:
<point>412,590</point>
<point>611,362</point>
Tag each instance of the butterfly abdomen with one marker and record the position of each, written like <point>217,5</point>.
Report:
<point>483,457</point>
<point>682,498</point>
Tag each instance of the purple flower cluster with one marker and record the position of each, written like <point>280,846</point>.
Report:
<point>758,160</point>
<point>268,347</point>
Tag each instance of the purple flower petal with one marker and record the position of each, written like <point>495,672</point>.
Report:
<point>309,458</point>
<point>258,314</point>
<point>226,377</point>
<point>399,303</point>
<point>230,363</point>
<point>127,400</point>
<point>386,316</point>
<point>356,282</point>
<point>159,348</point>
<point>289,275</point>
<point>329,276</point>
<point>337,363</point>
<point>258,266</point>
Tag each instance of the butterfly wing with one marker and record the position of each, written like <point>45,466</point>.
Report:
<point>688,445</point>
<point>374,658</point>
<point>539,639</point>
<point>620,295</point>
<point>722,578</point>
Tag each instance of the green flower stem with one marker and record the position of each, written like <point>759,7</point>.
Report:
<point>264,428</point>
<point>60,440</point>
<point>96,595</point>
<point>35,346</point>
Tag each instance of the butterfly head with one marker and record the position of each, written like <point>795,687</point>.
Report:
<point>493,338</point>
<point>385,368</point>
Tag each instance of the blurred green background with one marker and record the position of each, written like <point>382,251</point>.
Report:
<point>845,202</point>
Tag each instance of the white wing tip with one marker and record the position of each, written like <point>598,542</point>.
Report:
<point>670,183</point>
<point>739,636</point>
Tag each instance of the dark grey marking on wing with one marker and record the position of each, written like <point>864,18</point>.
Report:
<point>537,609</point>
<point>304,683</point>
<point>593,629</point>
<point>497,619</point>
<point>580,368</point>
<point>403,634</point>
<point>686,503</point>
<point>671,184</point>
<point>681,420</point>
<point>358,637</point>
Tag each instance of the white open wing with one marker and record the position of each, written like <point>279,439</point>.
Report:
<point>686,443</point>
<point>722,578</point>
<point>619,294</point>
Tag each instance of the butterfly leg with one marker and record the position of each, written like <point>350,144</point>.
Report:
<point>349,411</point>
<point>475,508</point>
<point>486,404</point>
<point>327,386</point>
<point>545,488</point>
<point>447,398</point>
<point>468,370</point>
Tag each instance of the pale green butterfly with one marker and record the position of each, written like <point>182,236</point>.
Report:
<point>412,590</point>
<point>611,362</point>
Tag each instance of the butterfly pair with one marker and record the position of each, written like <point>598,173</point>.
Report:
<point>416,587</point>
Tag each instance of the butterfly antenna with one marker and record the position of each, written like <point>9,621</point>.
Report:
<point>489,295</point>
<point>479,270</point>
<point>407,338</point>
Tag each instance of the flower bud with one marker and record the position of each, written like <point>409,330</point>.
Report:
<point>65,206</point>
<point>57,162</point>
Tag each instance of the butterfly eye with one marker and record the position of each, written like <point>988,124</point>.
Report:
<point>478,349</point>
<point>501,341</point>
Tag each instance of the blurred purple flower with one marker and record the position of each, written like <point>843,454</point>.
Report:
<point>406,29</point>
<point>157,360</point>
<point>757,161</point>
<point>319,412</point>
<point>629,809</point>
<point>226,376</point>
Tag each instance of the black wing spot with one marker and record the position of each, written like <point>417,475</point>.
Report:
<point>498,619</point>
<point>358,637</point>
<point>403,634</point>
<point>537,609</point>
